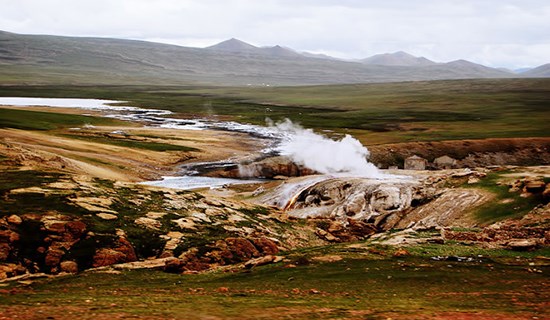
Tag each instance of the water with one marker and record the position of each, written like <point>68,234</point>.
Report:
<point>197,182</point>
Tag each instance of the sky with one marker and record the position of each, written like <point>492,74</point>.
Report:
<point>497,33</point>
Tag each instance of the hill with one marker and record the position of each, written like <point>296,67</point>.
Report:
<point>538,72</point>
<point>43,59</point>
<point>398,59</point>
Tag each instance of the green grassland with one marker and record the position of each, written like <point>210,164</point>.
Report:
<point>375,113</point>
<point>362,285</point>
<point>36,120</point>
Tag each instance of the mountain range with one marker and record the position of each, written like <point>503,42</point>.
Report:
<point>45,59</point>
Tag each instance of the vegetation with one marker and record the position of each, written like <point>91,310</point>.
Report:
<point>506,204</point>
<point>405,287</point>
<point>375,113</point>
<point>36,120</point>
<point>129,143</point>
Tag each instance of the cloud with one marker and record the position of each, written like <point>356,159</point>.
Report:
<point>510,33</point>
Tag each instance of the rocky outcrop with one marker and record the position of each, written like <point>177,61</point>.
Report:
<point>222,252</point>
<point>268,168</point>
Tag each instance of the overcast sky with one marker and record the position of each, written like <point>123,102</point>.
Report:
<point>497,33</point>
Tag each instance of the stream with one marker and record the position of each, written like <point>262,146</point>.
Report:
<point>190,178</point>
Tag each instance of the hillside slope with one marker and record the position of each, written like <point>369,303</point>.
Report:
<point>42,59</point>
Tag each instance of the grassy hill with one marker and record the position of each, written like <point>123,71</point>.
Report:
<point>41,59</point>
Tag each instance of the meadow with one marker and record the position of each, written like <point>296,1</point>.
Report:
<point>374,113</point>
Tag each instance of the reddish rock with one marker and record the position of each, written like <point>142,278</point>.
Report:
<point>55,227</point>
<point>14,219</point>
<point>8,236</point>
<point>53,257</point>
<point>174,265</point>
<point>76,228</point>
<point>4,251</point>
<point>265,246</point>
<point>401,253</point>
<point>546,192</point>
<point>127,249</point>
<point>11,270</point>
<point>121,253</point>
<point>242,249</point>
<point>107,257</point>
<point>69,266</point>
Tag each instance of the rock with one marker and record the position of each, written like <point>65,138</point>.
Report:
<point>546,192</point>
<point>327,258</point>
<point>270,168</point>
<point>14,219</point>
<point>148,223</point>
<point>523,245</point>
<point>174,265</point>
<point>8,236</point>
<point>241,248</point>
<point>53,257</point>
<point>76,228</point>
<point>155,215</point>
<point>534,186</point>
<point>121,252</point>
<point>265,246</point>
<point>5,250</point>
<point>107,257</point>
<point>259,261</point>
<point>107,216</point>
<point>69,266</point>
<point>9,270</point>
<point>401,253</point>
<point>473,180</point>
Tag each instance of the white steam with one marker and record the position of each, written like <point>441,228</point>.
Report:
<point>324,155</point>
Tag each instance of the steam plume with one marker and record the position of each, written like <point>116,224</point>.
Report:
<point>324,155</point>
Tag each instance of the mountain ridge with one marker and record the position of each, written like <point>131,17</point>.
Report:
<point>60,59</point>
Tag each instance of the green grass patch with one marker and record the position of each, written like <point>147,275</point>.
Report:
<point>373,289</point>
<point>505,204</point>
<point>388,112</point>
<point>37,120</point>
<point>133,144</point>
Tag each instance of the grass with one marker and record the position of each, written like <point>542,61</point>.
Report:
<point>498,209</point>
<point>375,113</point>
<point>133,144</point>
<point>36,120</point>
<point>371,289</point>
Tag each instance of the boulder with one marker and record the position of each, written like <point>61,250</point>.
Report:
<point>121,252</point>
<point>265,246</point>
<point>259,261</point>
<point>69,266</point>
<point>107,216</point>
<point>534,186</point>
<point>523,245</point>
<point>14,219</point>
<point>5,250</point>
<point>53,257</point>
<point>148,223</point>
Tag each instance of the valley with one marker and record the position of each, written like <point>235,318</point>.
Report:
<point>76,219</point>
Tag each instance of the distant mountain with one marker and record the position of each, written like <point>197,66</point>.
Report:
<point>319,56</point>
<point>522,70</point>
<point>44,59</point>
<point>399,58</point>
<point>538,72</point>
<point>240,47</point>
<point>234,45</point>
